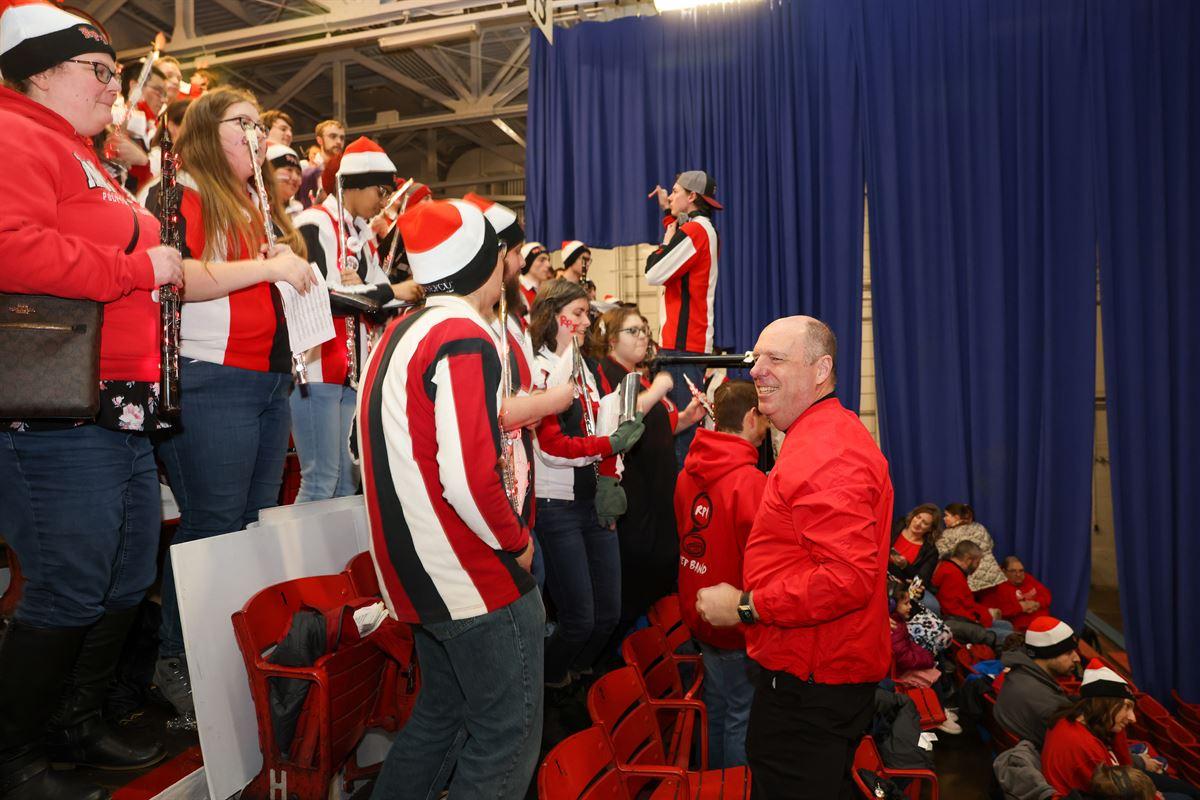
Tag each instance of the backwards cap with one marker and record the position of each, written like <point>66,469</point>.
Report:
<point>35,36</point>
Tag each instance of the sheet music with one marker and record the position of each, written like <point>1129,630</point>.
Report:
<point>309,319</point>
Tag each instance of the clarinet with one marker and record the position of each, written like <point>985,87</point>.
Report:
<point>579,377</point>
<point>169,302</point>
<point>351,319</point>
<point>507,464</point>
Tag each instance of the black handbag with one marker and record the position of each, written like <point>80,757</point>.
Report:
<point>49,357</point>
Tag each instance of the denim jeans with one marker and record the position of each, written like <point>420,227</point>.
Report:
<point>225,462</point>
<point>583,576</point>
<point>930,601</point>
<point>728,694</point>
<point>322,414</point>
<point>681,395</point>
<point>481,675</point>
<point>969,632</point>
<point>82,511</point>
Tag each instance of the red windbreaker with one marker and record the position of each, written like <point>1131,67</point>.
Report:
<point>816,560</point>
<point>716,497</point>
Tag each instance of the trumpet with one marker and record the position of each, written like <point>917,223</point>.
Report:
<point>264,202</point>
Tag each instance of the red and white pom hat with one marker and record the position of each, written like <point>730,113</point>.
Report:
<point>571,251</point>
<point>364,164</point>
<point>1099,680</point>
<point>35,36</point>
<point>451,246</point>
<point>1048,637</point>
<point>503,219</point>
<point>280,155</point>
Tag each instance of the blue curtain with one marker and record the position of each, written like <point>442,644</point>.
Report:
<point>1146,86</point>
<point>983,269</point>
<point>765,98</point>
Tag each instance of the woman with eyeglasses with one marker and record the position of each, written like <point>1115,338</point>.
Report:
<point>575,493</point>
<point>225,459</point>
<point>646,531</point>
<point>80,498</point>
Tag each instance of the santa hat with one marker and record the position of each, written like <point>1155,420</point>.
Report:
<point>280,155</point>
<point>571,251</point>
<point>363,163</point>
<point>1048,637</point>
<point>35,36</point>
<point>451,246</point>
<point>1101,681</point>
<point>529,252</point>
<point>503,219</point>
<point>417,193</point>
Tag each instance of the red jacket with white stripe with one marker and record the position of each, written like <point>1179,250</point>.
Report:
<point>329,362</point>
<point>686,268</point>
<point>816,560</point>
<point>444,537</point>
<point>66,229</point>
<point>244,329</point>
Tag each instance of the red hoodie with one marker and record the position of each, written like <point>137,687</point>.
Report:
<point>716,498</point>
<point>66,229</point>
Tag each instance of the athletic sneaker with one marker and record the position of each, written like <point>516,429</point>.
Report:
<point>951,727</point>
<point>172,679</point>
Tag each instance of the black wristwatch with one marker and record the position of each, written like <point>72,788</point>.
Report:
<point>745,610</point>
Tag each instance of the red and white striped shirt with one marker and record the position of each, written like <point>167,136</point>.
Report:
<point>244,329</point>
<point>444,537</point>
<point>686,268</point>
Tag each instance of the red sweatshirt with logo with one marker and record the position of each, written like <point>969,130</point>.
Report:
<point>716,498</point>
<point>66,229</point>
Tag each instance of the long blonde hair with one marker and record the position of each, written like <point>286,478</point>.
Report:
<point>230,214</point>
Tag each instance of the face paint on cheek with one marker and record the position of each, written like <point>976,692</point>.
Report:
<point>569,326</point>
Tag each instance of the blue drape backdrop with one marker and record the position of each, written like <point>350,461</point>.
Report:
<point>983,269</point>
<point>766,99</point>
<point>1146,87</point>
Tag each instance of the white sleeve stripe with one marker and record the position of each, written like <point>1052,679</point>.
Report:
<point>671,262</point>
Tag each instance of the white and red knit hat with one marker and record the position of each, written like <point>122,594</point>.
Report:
<point>1099,680</point>
<point>1048,637</point>
<point>529,252</point>
<point>503,219</point>
<point>36,35</point>
<point>571,251</point>
<point>280,155</point>
<point>451,246</point>
<point>364,164</point>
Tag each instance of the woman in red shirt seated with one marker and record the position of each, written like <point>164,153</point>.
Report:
<point>914,550</point>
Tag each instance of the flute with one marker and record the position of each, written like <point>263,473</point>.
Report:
<point>351,319</point>
<point>264,202</point>
<point>170,311</point>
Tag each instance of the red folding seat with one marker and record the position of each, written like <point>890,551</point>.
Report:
<point>617,702</point>
<point>867,757</point>
<point>658,665</point>
<point>666,616</point>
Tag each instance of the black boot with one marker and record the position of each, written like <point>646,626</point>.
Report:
<point>78,733</point>
<point>34,663</point>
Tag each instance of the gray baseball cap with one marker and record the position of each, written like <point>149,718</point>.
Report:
<point>702,184</point>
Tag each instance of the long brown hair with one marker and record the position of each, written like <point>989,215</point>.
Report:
<point>230,214</point>
<point>552,297</point>
<point>1099,715</point>
<point>604,331</point>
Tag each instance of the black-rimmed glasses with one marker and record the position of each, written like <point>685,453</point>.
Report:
<point>103,72</point>
<point>636,331</point>
<point>242,122</point>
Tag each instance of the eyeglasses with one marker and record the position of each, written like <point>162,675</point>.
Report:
<point>636,331</point>
<point>242,122</point>
<point>104,73</point>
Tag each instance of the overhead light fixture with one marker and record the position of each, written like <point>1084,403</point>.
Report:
<point>448,33</point>
<point>682,5</point>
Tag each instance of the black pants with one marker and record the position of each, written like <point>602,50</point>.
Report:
<point>802,736</point>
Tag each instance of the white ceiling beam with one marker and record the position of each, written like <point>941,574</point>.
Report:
<point>442,66</point>
<point>482,114</point>
<point>297,82</point>
<point>508,131</point>
<point>518,54</point>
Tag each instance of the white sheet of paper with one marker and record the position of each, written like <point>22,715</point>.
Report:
<point>309,318</point>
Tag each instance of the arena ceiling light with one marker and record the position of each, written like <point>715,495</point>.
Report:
<point>682,5</point>
<point>446,33</point>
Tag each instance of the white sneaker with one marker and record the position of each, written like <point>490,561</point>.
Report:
<point>951,727</point>
<point>951,714</point>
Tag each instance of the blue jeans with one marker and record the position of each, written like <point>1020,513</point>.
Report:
<point>82,511</point>
<point>728,694</point>
<point>322,414</point>
<point>583,576</point>
<point>481,675</point>
<point>225,462</point>
<point>681,395</point>
<point>930,601</point>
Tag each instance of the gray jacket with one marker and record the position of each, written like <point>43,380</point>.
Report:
<point>1019,773</point>
<point>1028,699</point>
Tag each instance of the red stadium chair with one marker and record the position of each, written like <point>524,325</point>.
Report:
<point>16,583</point>
<point>666,616</point>
<point>867,757</point>
<point>344,692</point>
<point>584,767</point>
<point>1188,713</point>
<point>619,705</point>
<point>361,571</point>
<point>647,651</point>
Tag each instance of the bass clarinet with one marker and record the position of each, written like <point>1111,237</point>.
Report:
<point>169,301</point>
